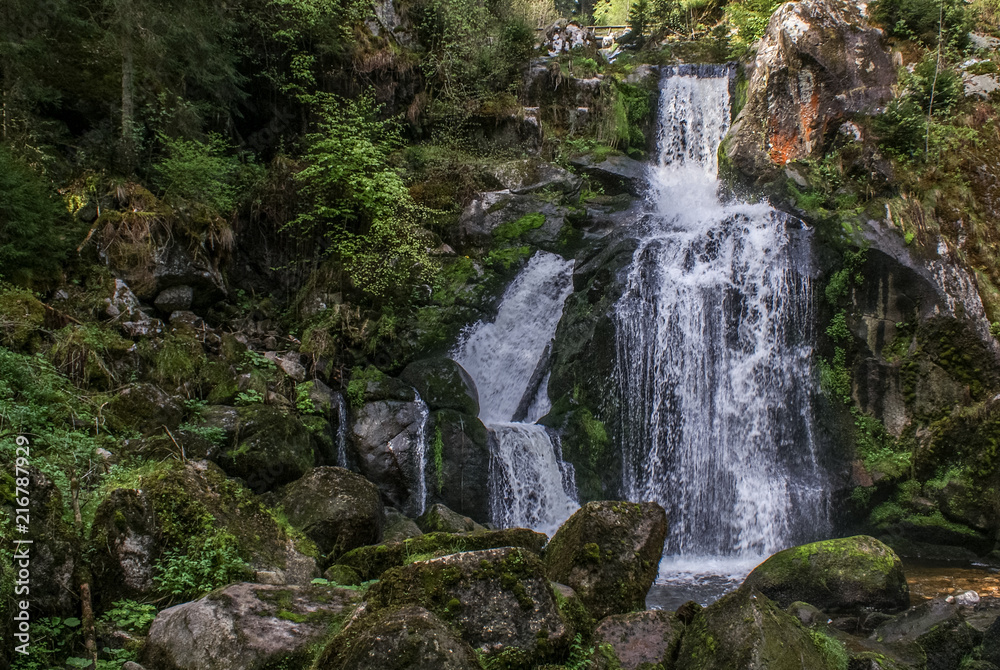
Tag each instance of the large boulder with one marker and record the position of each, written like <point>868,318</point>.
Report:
<point>246,627</point>
<point>819,63</point>
<point>273,448</point>
<point>640,638</point>
<point>388,440</point>
<point>407,638</point>
<point>371,562</point>
<point>498,600</point>
<point>458,463</point>
<point>749,631</point>
<point>130,544</point>
<point>837,576</point>
<point>501,217</point>
<point>608,552</point>
<point>337,509</point>
<point>439,519</point>
<point>443,384</point>
<point>55,552</point>
<point>143,407</point>
<point>941,631</point>
<point>617,174</point>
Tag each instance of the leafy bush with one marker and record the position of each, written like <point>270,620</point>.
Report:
<point>750,18</point>
<point>33,232</point>
<point>901,128</point>
<point>921,19</point>
<point>130,615</point>
<point>210,560</point>
<point>203,172</point>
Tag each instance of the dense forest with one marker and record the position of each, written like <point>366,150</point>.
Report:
<point>238,240</point>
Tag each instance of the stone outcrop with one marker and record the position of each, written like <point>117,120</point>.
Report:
<point>819,63</point>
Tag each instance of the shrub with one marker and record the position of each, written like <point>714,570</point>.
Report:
<point>920,20</point>
<point>202,172</point>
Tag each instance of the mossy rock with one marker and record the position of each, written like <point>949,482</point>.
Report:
<point>608,552</point>
<point>343,575</point>
<point>399,527</point>
<point>274,448</point>
<point>498,600</point>
<point>144,408</point>
<point>371,562</point>
<point>443,384</point>
<point>404,638</point>
<point>247,627</point>
<point>847,575</point>
<point>337,509</point>
<point>440,519</point>
<point>126,544</point>
<point>55,552</point>
<point>747,630</point>
<point>458,463</point>
<point>640,639</point>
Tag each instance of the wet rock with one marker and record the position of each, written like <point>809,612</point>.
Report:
<point>405,638</point>
<point>819,63</point>
<point>747,630</point>
<point>337,509</point>
<point>938,627</point>
<point>618,174</point>
<point>639,638</point>
<point>608,552</point>
<point>143,407</point>
<point>440,519</point>
<point>460,477</point>
<point>274,447</point>
<point>443,384</point>
<point>848,575</point>
<point>498,600</point>
<point>385,439</point>
<point>175,298</point>
<point>246,627</point>
<point>483,219</point>
<point>371,562</point>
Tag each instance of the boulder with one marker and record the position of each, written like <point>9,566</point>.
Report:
<point>387,439</point>
<point>440,519</point>
<point>128,546</point>
<point>617,174</point>
<point>371,562</point>
<point>246,627</point>
<point>458,463</point>
<point>608,552</point>
<point>343,575</point>
<point>940,630</point>
<point>443,384</point>
<point>749,631</point>
<point>500,216</point>
<point>819,64</point>
<point>175,298</point>
<point>54,554</point>
<point>143,407</point>
<point>399,527</point>
<point>224,419</point>
<point>846,576</point>
<point>337,509</point>
<point>274,448</point>
<point>405,638</point>
<point>639,638</point>
<point>175,266</point>
<point>498,600</point>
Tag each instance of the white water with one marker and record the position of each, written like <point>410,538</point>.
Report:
<point>526,473</point>
<point>713,359</point>
<point>341,431</point>
<point>419,503</point>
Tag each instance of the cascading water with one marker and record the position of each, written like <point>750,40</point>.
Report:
<point>341,431</point>
<point>713,360</point>
<point>530,485</point>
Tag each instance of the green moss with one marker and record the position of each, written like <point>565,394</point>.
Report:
<point>831,649</point>
<point>514,230</point>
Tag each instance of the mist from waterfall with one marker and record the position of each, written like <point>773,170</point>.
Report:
<point>530,485</point>
<point>714,356</point>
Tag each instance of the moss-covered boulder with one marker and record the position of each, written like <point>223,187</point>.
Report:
<point>399,527</point>
<point>608,552</point>
<point>638,639</point>
<point>124,566</point>
<point>404,638</point>
<point>371,562</point>
<point>55,552</point>
<point>458,463</point>
<point>143,407</point>
<point>498,600</point>
<point>443,384</point>
<point>440,519</point>
<point>273,448</point>
<point>343,575</point>
<point>337,509</point>
<point>747,630</point>
<point>847,575</point>
<point>200,519</point>
<point>247,627</point>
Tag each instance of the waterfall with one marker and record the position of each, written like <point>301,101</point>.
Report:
<point>341,431</point>
<point>419,502</point>
<point>530,486</point>
<point>714,358</point>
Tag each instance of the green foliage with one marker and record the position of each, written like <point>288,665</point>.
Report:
<point>929,76</point>
<point>835,377</point>
<point>249,397</point>
<point>901,128</point>
<point>437,450</point>
<point>130,615</point>
<point>879,450</point>
<point>579,656</point>
<point>209,559</point>
<point>52,639</point>
<point>360,377</point>
<point>303,402</point>
<point>850,272</point>
<point>33,236</point>
<point>921,19</point>
<point>838,330</point>
<point>750,18</point>
<point>621,116</point>
<point>203,172</point>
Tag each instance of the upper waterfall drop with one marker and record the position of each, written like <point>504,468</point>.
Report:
<point>714,356</point>
<point>530,484</point>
